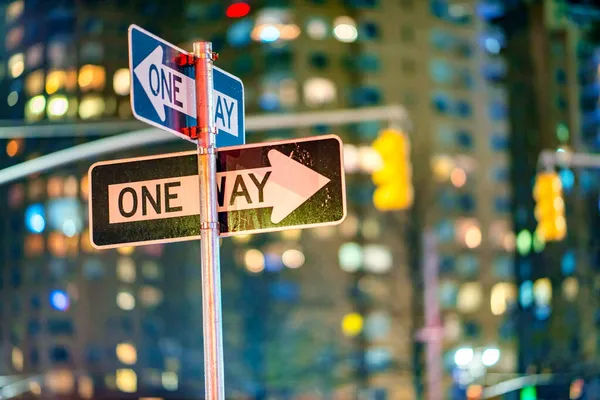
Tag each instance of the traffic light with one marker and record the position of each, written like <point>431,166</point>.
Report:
<point>528,393</point>
<point>549,207</point>
<point>394,177</point>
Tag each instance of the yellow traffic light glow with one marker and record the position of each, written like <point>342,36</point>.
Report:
<point>394,178</point>
<point>550,207</point>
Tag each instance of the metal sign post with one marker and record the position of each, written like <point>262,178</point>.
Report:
<point>209,224</point>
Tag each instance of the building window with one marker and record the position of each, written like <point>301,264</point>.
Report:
<point>407,33</point>
<point>239,33</point>
<point>319,60</point>
<point>368,63</point>
<point>499,142</point>
<point>441,102</point>
<point>467,265</point>
<point>448,293</point>
<point>59,354</point>
<point>319,91</point>
<point>470,297</point>
<point>409,66</point>
<point>365,96</point>
<point>464,139</point>
<point>502,296</point>
<point>463,109</point>
<point>441,71</point>
<point>58,327</point>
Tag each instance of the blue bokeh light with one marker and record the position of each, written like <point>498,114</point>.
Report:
<point>35,219</point>
<point>567,178</point>
<point>59,300</point>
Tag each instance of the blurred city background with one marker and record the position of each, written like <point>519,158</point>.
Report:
<point>473,285</point>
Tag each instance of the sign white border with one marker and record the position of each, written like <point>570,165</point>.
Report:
<point>241,147</point>
<point>132,80</point>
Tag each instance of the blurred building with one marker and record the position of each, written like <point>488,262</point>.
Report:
<point>552,89</point>
<point>132,320</point>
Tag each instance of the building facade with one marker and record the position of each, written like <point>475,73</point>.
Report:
<point>132,319</point>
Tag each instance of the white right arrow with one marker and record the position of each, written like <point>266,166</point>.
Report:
<point>165,86</point>
<point>285,186</point>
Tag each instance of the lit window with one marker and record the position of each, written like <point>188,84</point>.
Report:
<point>91,77</point>
<point>292,258</point>
<point>151,270</point>
<point>35,219</point>
<point>316,28</point>
<point>458,177</point>
<point>126,380</point>
<point>13,147</point>
<point>568,263</point>
<point>377,258</point>
<point>55,186</point>
<point>150,296</point>
<point>16,65</point>
<point>59,300</point>
<point>14,10</point>
<point>351,160</point>
<point>55,80</point>
<point>126,353</point>
<point>86,387</point>
<point>57,54</point>
<point>14,37</point>
<point>126,269</point>
<point>170,381</point>
<point>289,32</point>
<point>469,297</point>
<point>34,83</point>
<point>35,189</point>
<point>34,245</point>
<point>570,287</point>
<point>254,260</point>
<point>369,159</point>
<point>441,71</point>
<point>91,107</point>
<point>319,91</point>
<point>35,56</point>
<point>442,167</point>
<point>266,33</point>
<point>371,228</point>
<point>125,301</point>
<point>345,29</point>
<point>60,381</point>
<point>288,92</point>
<point>57,107</point>
<point>468,232</point>
<point>542,292</point>
<point>350,256</point>
<point>17,359</point>
<point>448,294</point>
<point>126,250</point>
<point>352,324</point>
<point>503,294</point>
<point>35,107</point>
<point>122,81</point>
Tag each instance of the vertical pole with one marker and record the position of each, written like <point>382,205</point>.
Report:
<point>433,324</point>
<point>209,225</point>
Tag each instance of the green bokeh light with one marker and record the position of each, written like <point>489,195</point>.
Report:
<point>524,242</point>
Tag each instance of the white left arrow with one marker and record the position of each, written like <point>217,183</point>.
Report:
<point>165,86</point>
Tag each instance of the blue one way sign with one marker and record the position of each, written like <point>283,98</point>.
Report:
<point>163,92</point>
